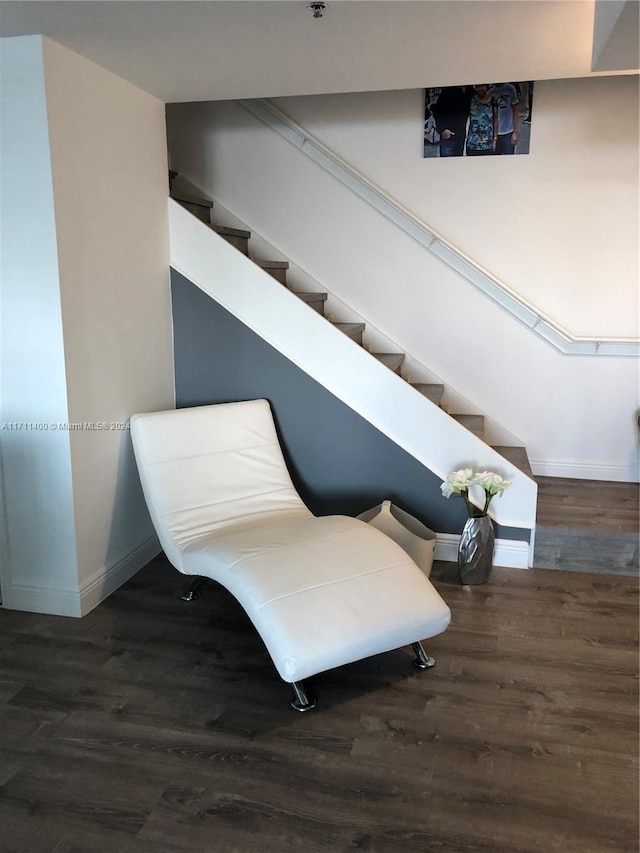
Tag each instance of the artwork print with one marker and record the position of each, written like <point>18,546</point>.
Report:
<point>483,119</point>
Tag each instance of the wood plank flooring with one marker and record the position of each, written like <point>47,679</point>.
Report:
<point>588,504</point>
<point>588,526</point>
<point>153,726</point>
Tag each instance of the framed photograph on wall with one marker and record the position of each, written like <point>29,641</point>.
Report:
<point>478,120</point>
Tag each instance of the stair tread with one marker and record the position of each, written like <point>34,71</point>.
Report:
<point>392,360</point>
<point>433,391</point>
<point>310,297</point>
<point>192,199</point>
<point>350,328</point>
<point>474,423</point>
<point>225,231</point>
<point>274,265</point>
<point>517,455</point>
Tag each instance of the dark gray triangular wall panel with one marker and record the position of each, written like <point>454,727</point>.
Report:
<point>340,463</point>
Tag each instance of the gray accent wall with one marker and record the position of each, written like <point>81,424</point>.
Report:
<point>339,462</point>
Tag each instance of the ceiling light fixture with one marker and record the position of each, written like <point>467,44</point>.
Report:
<point>317,7</point>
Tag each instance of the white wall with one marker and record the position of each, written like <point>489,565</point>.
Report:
<point>558,226</point>
<point>538,217</point>
<point>86,320</point>
<point>108,152</point>
<point>40,565</point>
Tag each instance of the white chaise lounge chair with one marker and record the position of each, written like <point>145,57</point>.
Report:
<point>321,592</point>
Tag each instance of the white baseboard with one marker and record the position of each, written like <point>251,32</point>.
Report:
<point>102,583</point>
<point>511,553</point>
<point>42,599</point>
<point>77,602</point>
<point>586,471</point>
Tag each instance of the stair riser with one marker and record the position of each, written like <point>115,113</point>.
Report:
<point>317,306</point>
<point>477,432</point>
<point>435,397</point>
<point>391,362</point>
<point>279,274</point>
<point>397,370</point>
<point>203,213</point>
<point>239,243</point>
<point>517,456</point>
<point>474,423</point>
<point>432,392</point>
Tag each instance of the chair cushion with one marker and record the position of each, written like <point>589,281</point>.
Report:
<point>321,592</point>
<point>211,467</point>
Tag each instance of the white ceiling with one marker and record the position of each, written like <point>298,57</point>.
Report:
<point>193,51</point>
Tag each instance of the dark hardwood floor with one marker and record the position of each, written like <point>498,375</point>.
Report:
<point>152,725</point>
<point>588,526</point>
<point>588,504</point>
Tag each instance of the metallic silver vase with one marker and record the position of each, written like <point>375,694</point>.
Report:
<point>475,551</point>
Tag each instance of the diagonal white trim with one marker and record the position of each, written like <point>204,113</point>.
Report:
<point>352,375</point>
<point>454,258</point>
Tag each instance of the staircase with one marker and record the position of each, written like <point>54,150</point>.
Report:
<point>239,238</point>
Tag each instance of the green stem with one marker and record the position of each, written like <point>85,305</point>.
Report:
<point>464,494</point>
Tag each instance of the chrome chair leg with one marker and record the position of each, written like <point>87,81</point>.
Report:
<point>192,592</point>
<point>302,702</point>
<point>422,660</point>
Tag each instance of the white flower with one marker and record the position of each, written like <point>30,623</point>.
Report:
<point>457,482</point>
<point>493,484</point>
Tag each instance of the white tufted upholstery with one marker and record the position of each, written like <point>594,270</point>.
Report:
<point>322,592</point>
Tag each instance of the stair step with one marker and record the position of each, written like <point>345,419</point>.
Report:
<point>433,392</point>
<point>225,231</point>
<point>278,269</point>
<point>474,423</point>
<point>200,207</point>
<point>352,330</point>
<point>587,526</point>
<point>314,300</point>
<point>276,265</point>
<point>601,551</point>
<point>392,360</point>
<point>517,456</point>
<point>192,199</point>
<point>236,236</point>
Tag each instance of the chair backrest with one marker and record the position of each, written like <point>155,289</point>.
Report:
<point>208,468</point>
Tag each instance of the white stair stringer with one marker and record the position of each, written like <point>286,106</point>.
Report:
<point>375,340</point>
<point>345,369</point>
